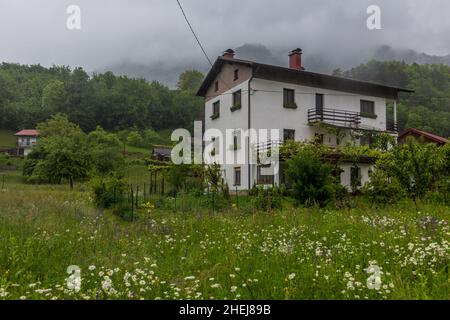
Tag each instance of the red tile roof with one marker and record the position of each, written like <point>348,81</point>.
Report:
<point>427,135</point>
<point>27,133</point>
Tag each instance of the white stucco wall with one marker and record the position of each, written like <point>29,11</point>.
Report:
<point>228,120</point>
<point>267,112</point>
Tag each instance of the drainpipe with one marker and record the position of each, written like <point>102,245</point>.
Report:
<point>395,112</point>
<point>249,126</point>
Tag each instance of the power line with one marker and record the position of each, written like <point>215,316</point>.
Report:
<point>200,44</point>
<point>332,94</point>
<point>193,32</point>
<point>257,90</point>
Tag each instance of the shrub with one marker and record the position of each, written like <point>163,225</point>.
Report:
<point>108,191</point>
<point>135,139</point>
<point>417,167</point>
<point>267,199</point>
<point>124,211</point>
<point>381,189</point>
<point>312,180</point>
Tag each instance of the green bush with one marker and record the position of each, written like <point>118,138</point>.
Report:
<point>267,199</point>
<point>381,189</point>
<point>417,167</point>
<point>312,180</point>
<point>108,191</point>
<point>124,211</point>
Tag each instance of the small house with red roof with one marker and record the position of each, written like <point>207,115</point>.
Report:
<point>26,139</point>
<point>424,136</point>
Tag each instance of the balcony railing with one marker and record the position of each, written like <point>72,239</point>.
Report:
<point>26,145</point>
<point>337,117</point>
<point>267,146</point>
<point>392,126</point>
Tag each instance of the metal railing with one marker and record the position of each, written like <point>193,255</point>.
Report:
<point>267,145</point>
<point>26,145</point>
<point>392,126</point>
<point>335,116</point>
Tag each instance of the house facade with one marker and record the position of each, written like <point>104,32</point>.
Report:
<point>26,139</point>
<point>242,95</point>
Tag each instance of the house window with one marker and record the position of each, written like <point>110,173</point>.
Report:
<point>289,99</point>
<point>237,176</point>
<point>216,86</point>
<point>355,177</point>
<point>216,110</point>
<point>215,143</point>
<point>236,74</point>
<point>319,101</point>
<point>263,178</point>
<point>288,134</point>
<point>237,100</point>
<point>235,142</point>
<point>368,109</point>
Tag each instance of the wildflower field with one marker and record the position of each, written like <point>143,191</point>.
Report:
<point>294,253</point>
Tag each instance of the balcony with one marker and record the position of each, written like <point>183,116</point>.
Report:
<point>392,126</point>
<point>26,144</point>
<point>339,118</point>
<point>268,146</point>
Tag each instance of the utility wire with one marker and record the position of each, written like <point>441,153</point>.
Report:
<point>199,43</point>
<point>193,32</point>
<point>257,90</point>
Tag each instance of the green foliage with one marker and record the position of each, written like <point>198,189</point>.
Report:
<point>5,160</point>
<point>384,142</point>
<point>108,191</point>
<point>106,152</point>
<point>31,94</point>
<point>214,178</point>
<point>311,178</point>
<point>417,167</point>
<point>428,108</point>
<point>65,152</point>
<point>290,105</point>
<point>135,139</point>
<point>190,80</point>
<point>62,153</point>
<point>382,190</point>
<point>267,199</point>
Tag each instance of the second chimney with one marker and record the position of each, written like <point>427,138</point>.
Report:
<point>229,54</point>
<point>295,59</point>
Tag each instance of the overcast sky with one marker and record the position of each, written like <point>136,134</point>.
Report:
<point>153,32</point>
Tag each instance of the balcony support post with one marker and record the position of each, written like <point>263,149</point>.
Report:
<point>395,112</point>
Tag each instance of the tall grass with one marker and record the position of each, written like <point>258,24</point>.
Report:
<point>240,253</point>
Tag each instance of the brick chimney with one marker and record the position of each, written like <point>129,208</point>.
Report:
<point>229,54</point>
<point>295,59</point>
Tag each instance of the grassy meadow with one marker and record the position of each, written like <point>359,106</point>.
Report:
<point>191,253</point>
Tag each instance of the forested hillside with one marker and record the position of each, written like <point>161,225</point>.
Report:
<point>30,94</point>
<point>429,107</point>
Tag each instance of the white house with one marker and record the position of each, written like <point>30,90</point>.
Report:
<point>26,139</point>
<point>242,95</point>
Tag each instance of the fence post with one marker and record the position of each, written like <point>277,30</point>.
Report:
<point>3,181</point>
<point>137,197</point>
<point>132,203</point>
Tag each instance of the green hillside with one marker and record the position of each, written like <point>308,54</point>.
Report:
<point>7,138</point>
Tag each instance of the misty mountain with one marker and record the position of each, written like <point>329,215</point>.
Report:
<point>313,61</point>
<point>387,53</point>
